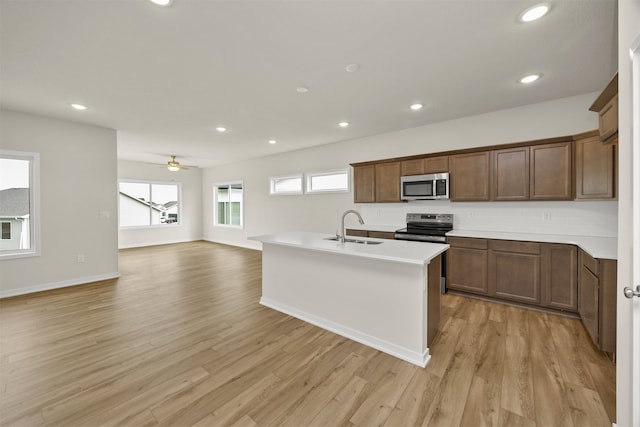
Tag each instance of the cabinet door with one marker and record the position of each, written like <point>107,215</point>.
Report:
<point>510,174</point>
<point>467,266</point>
<point>560,276</point>
<point>594,169</point>
<point>387,182</point>
<point>607,305</point>
<point>364,184</point>
<point>608,120</point>
<point>413,167</point>
<point>550,172</point>
<point>514,271</point>
<point>588,301</point>
<point>438,164</point>
<point>469,175</point>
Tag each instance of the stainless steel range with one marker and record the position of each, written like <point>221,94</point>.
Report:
<point>426,228</point>
<point>430,228</point>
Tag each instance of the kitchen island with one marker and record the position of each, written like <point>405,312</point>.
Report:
<point>382,293</point>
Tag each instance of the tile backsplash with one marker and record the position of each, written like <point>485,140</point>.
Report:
<point>594,218</point>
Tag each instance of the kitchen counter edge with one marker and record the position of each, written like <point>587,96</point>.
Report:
<point>597,247</point>
<point>390,250</point>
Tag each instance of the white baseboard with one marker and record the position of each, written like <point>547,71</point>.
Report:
<point>247,245</point>
<point>368,340</point>
<point>158,243</point>
<point>56,285</point>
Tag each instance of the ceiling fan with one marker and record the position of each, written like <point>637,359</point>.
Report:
<point>173,165</point>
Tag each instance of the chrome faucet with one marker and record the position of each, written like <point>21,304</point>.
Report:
<point>342,237</point>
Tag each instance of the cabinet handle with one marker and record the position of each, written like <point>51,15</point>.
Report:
<point>630,293</point>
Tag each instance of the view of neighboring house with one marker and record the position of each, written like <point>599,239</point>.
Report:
<point>14,218</point>
<point>139,212</point>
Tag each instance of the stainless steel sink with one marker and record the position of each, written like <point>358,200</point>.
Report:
<point>362,242</point>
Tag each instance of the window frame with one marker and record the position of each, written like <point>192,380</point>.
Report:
<point>151,225</point>
<point>34,205</point>
<point>215,204</point>
<point>274,179</point>
<point>310,175</point>
<point>2,223</point>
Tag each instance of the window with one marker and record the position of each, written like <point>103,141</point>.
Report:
<point>228,202</point>
<point>146,204</point>
<point>328,182</point>
<point>19,199</point>
<point>6,231</point>
<point>291,184</point>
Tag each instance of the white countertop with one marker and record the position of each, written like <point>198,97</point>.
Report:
<point>597,247</point>
<point>388,250</point>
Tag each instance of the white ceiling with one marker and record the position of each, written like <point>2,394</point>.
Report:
<point>166,77</point>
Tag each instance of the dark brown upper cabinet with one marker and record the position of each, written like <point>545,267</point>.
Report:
<point>551,176</point>
<point>606,105</point>
<point>387,178</point>
<point>469,176</point>
<point>595,167</point>
<point>510,174</point>
<point>425,165</point>
<point>364,184</point>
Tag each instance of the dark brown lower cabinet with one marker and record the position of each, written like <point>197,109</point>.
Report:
<point>588,301</point>
<point>467,265</point>
<point>514,270</point>
<point>370,233</point>
<point>357,233</point>
<point>539,274</point>
<point>597,281</point>
<point>549,275</point>
<point>560,276</point>
<point>382,235</point>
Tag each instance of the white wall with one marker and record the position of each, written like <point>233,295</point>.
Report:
<point>78,203</point>
<point>268,214</point>
<point>190,227</point>
<point>628,30</point>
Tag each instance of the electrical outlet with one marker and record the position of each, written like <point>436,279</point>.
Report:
<point>104,215</point>
<point>546,216</point>
<point>80,258</point>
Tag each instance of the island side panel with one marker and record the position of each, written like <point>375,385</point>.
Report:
<point>378,303</point>
<point>433,298</point>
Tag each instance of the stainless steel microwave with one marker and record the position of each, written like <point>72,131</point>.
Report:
<point>425,187</point>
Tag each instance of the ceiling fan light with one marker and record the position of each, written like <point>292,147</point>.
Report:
<point>173,168</point>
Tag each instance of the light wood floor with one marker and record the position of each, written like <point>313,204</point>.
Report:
<point>180,339</point>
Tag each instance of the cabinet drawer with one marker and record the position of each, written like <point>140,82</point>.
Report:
<point>513,246</point>
<point>382,235</point>
<point>357,233</point>
<point>467,242</point>
<point>589,262</point>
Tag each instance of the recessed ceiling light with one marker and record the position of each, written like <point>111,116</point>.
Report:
<point>79,106</point>
<point>302,89</point>
<point>161,2</point>
<point>416,107</point>
<point>352,68</point>
<point>221,129</point>
<point>272,141</point>
<point>535,12</point>
<point>530,78</point>
<point>344,124</point>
